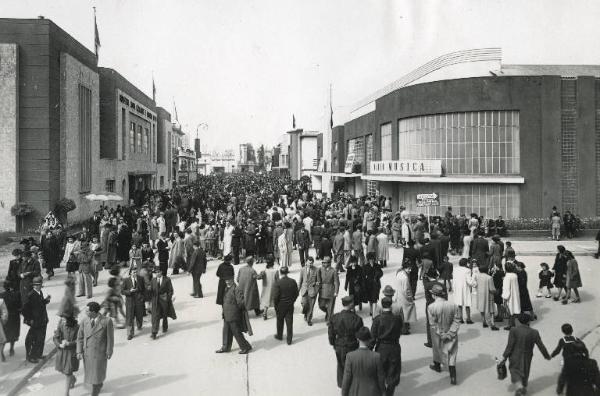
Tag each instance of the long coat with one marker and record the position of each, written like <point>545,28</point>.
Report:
<point>485,292</point>
<point>463,282</point>
<point>162,298</point>
<point>363,374</point>
<point>123,244</point>
<point>246,279</point>
<point>404,298</point>
<point>269,276</point>
<point>96,344</point>
<point>573,274</point>
<point>479,250</point>
<point>133,299</point>
<point>510,292</point>
<point>177,253</point>
<point>519,350</point>
<point>224,271</point>
<point>66,360</point>
<point>329,283</point>
<point>12,327</point>
<point>444,319</point>
<point>382,247</point>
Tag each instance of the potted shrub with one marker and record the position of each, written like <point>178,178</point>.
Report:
<point>62,207</point>
<point>21,210</point>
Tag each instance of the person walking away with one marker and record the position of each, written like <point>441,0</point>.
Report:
<point>65,337</point>
<point>28,271</point>
<point>484,285</point>
<point>329,285</point>
<point>161,295</point>
<point>96,266</point>
<point>372,282</point>
<point>445,322</point>
<point>463,283</point>
<point>134,290</point>
<point>383,254</point>
<point>342,329</point>
<point>555,221</point>
<point>12,325</point>
<point>177,254</point>
<point>519,352</point>
<point>224,271</point>
<point>446,273</point>
<point>285,293</point>
<point>247,282</point>
<point>338,250</point>
<point>235,318</point>
<point>303,244</point>
<point>357,245</point>
<point>573,279</point>
<point>545,276</point>
<point>269,276</point>
<point>510,294</point>
<point>574,355</point>
<point>386,330</point>
<point>95,342</point>
<point>560,271</point>
<point>197,267</point>
<point>363,371</point>
<point>36,317</point>
<point>309,289</point>
<point>526,305</point>
<point>162,247</point>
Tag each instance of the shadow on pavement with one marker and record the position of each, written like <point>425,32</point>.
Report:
<point>137,384</point>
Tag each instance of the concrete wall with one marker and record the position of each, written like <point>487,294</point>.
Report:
<point>9,133</point>
<point>73,74</point>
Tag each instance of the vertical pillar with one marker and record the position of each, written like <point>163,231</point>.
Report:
<point>586,146</point>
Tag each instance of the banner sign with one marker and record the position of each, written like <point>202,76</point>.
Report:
<point>431,199</point>
<point>407,167</point>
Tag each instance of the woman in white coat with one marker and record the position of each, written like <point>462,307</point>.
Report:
<point>463,286</point>
<point>227,236</point>
<point>404,298</point>
<point>467,238</point>
<point>510,293</point>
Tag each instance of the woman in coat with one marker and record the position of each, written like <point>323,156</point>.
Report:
<point>573,279</point>
<point>526,305</point>
<point>177,253</point>
<point>355,281</point>
<point>497,275</point>
<point>383,254</point>
<point>372,275</point>
<point>462,284</point>
<point>560,271</point>
<point>269,276</point>
<point>65,337</point>
<point>227,236</point>
<point>111,250</point>
<point>510,293</point>
<point>123,244</point>
<point>12,326</point>
<point>224,271</point>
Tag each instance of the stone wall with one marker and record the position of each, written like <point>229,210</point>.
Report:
<point>9,126</point>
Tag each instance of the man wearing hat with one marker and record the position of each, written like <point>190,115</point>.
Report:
<point>197,267</point>
<point>134,290</point>
<point>29,269</point>
<point>309,289</point>
<point>14,267</point>
<point>342,329</point>
<point>363,371</point>
<point>404,297</point>
<point>386,330</point>
<point>85,256</point>
<point>519,351</point>
<point>224,271</point>
<point>234,315</point>
<point>329,284</point>
<point>388,291</point>
<point>444,323</point>
<point>161,296</point>
<point>285,293</point>
<point>36,317</point>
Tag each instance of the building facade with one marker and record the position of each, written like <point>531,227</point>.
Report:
<point>509,140</point>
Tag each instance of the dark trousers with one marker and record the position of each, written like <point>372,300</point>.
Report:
<point>318,249</point>
<point>326,305</point>
<point>231,330</point>
<point>308,305</point>
<point>135,317</point>
<point>236,254</point>
<point>285,313</point>
<point>163,266</point>
<point>427,328</point>
<point>34,342</point>
<point>340,354</point>
<point>156,318</point>
<point>392,365</point>
<point>197,287</point>
<point>303,255</point>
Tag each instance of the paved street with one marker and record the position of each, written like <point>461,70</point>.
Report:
<point>184,361</point>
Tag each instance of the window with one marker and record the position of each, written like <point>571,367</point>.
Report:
<point>386,142</point>
<point>162,182</point>
<point>471,143</point>
<point>372,188</point>
<point>109,185</point>
<point>145,141</point>
<point>123,134</point>
<point>369,153</point>
<point>356,147</point>
<point>85,139</point>
<point>132,137</point>
<point>138,140</point>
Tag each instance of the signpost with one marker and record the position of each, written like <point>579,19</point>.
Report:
<point>427,200</point>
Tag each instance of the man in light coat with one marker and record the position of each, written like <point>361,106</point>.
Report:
<point>486,290</point>
<point>444,322</point>
<point>309,288</point>
<point>329,285</point>
<point>404,297</point>
<point>95,341</point>
<point>246,279</point>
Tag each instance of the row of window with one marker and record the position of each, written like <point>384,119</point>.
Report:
<point>141,140</point>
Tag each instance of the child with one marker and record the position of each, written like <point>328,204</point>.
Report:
<point>574,352</point>
<point>545,281</point>
<point>446,273</point>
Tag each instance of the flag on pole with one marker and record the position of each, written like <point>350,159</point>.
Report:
<point>96,35</point>
<point>153,89</point>
<point>293,121</point>
<point>175,110</point>
<point>330,109</point>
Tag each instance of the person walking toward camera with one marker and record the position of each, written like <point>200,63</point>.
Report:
<point>36,316</point>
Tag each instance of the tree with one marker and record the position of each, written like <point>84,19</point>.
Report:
<point>21,210</point>
<point>261,157</point>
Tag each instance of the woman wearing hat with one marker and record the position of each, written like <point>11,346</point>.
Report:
<point>65,336</point>
<point>12,327</point>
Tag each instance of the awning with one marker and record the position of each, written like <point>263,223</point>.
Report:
<point>448,179</point>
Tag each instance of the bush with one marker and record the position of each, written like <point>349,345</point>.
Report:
<point>64,205</point>
<point>21,210</point>
<point>545,223</point>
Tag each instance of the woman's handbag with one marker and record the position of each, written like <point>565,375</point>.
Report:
<point>501,370</point>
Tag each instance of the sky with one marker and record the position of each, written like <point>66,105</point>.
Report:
<point>244,67</point>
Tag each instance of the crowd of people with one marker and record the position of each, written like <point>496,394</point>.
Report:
<point>263,218</point>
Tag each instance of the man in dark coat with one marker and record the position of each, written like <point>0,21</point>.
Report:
<point>285,293</point>
<point>234,318</point>
<point>123,245</point>
<point>303,244</point>
<point>415,259</point>
<point>29,269</point>
<point>14,269</point>
<point>161,296</point>
<point>342,329</point>
<point>50,251</point>
<point>430,250</point>
<point>386,330</point>
<point>519,351</point>
<point>134,291</point>
<point>36,316</point>
<point>162,246</point>
<point>236,243</point>
<point>197,267</point>
<point>479,249</point>
<point>326,248</point>
<point>224,271</point>
<point>363,371</point>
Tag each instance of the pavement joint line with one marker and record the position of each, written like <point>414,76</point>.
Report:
<point>247,376</point>
<point>21,384</point>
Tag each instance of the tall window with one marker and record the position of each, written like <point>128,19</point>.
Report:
<point>471,143</point>
<point>132,137</point>
<point>145,141</point>
<point>356,146</point>
<point>138,142</point>
<point>85,138</point>
<point>369,153</point>
<point>123,134</point>
<point>386,142</point>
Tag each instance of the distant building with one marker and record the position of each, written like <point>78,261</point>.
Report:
<point>223,162</point>
<point>185,166</point>
<point>247,158</point>
<point>280,159</point>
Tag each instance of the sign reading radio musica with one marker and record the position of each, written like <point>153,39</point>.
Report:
<point>407,167</point>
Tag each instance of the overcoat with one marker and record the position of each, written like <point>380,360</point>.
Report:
<point>382,247</point>
<point>224,271</point>
<point>510,292</point>
<point>463,281</point>
<point>66,360</point>
<point>485,292</point>
<point>404,297</point>
<point>162,297</point>
<point>573,274</point>
<point>269,276</point>
<point>246,279</point>
<point>363,374</point>
<point>519,350</point>
<point>96,344</point>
